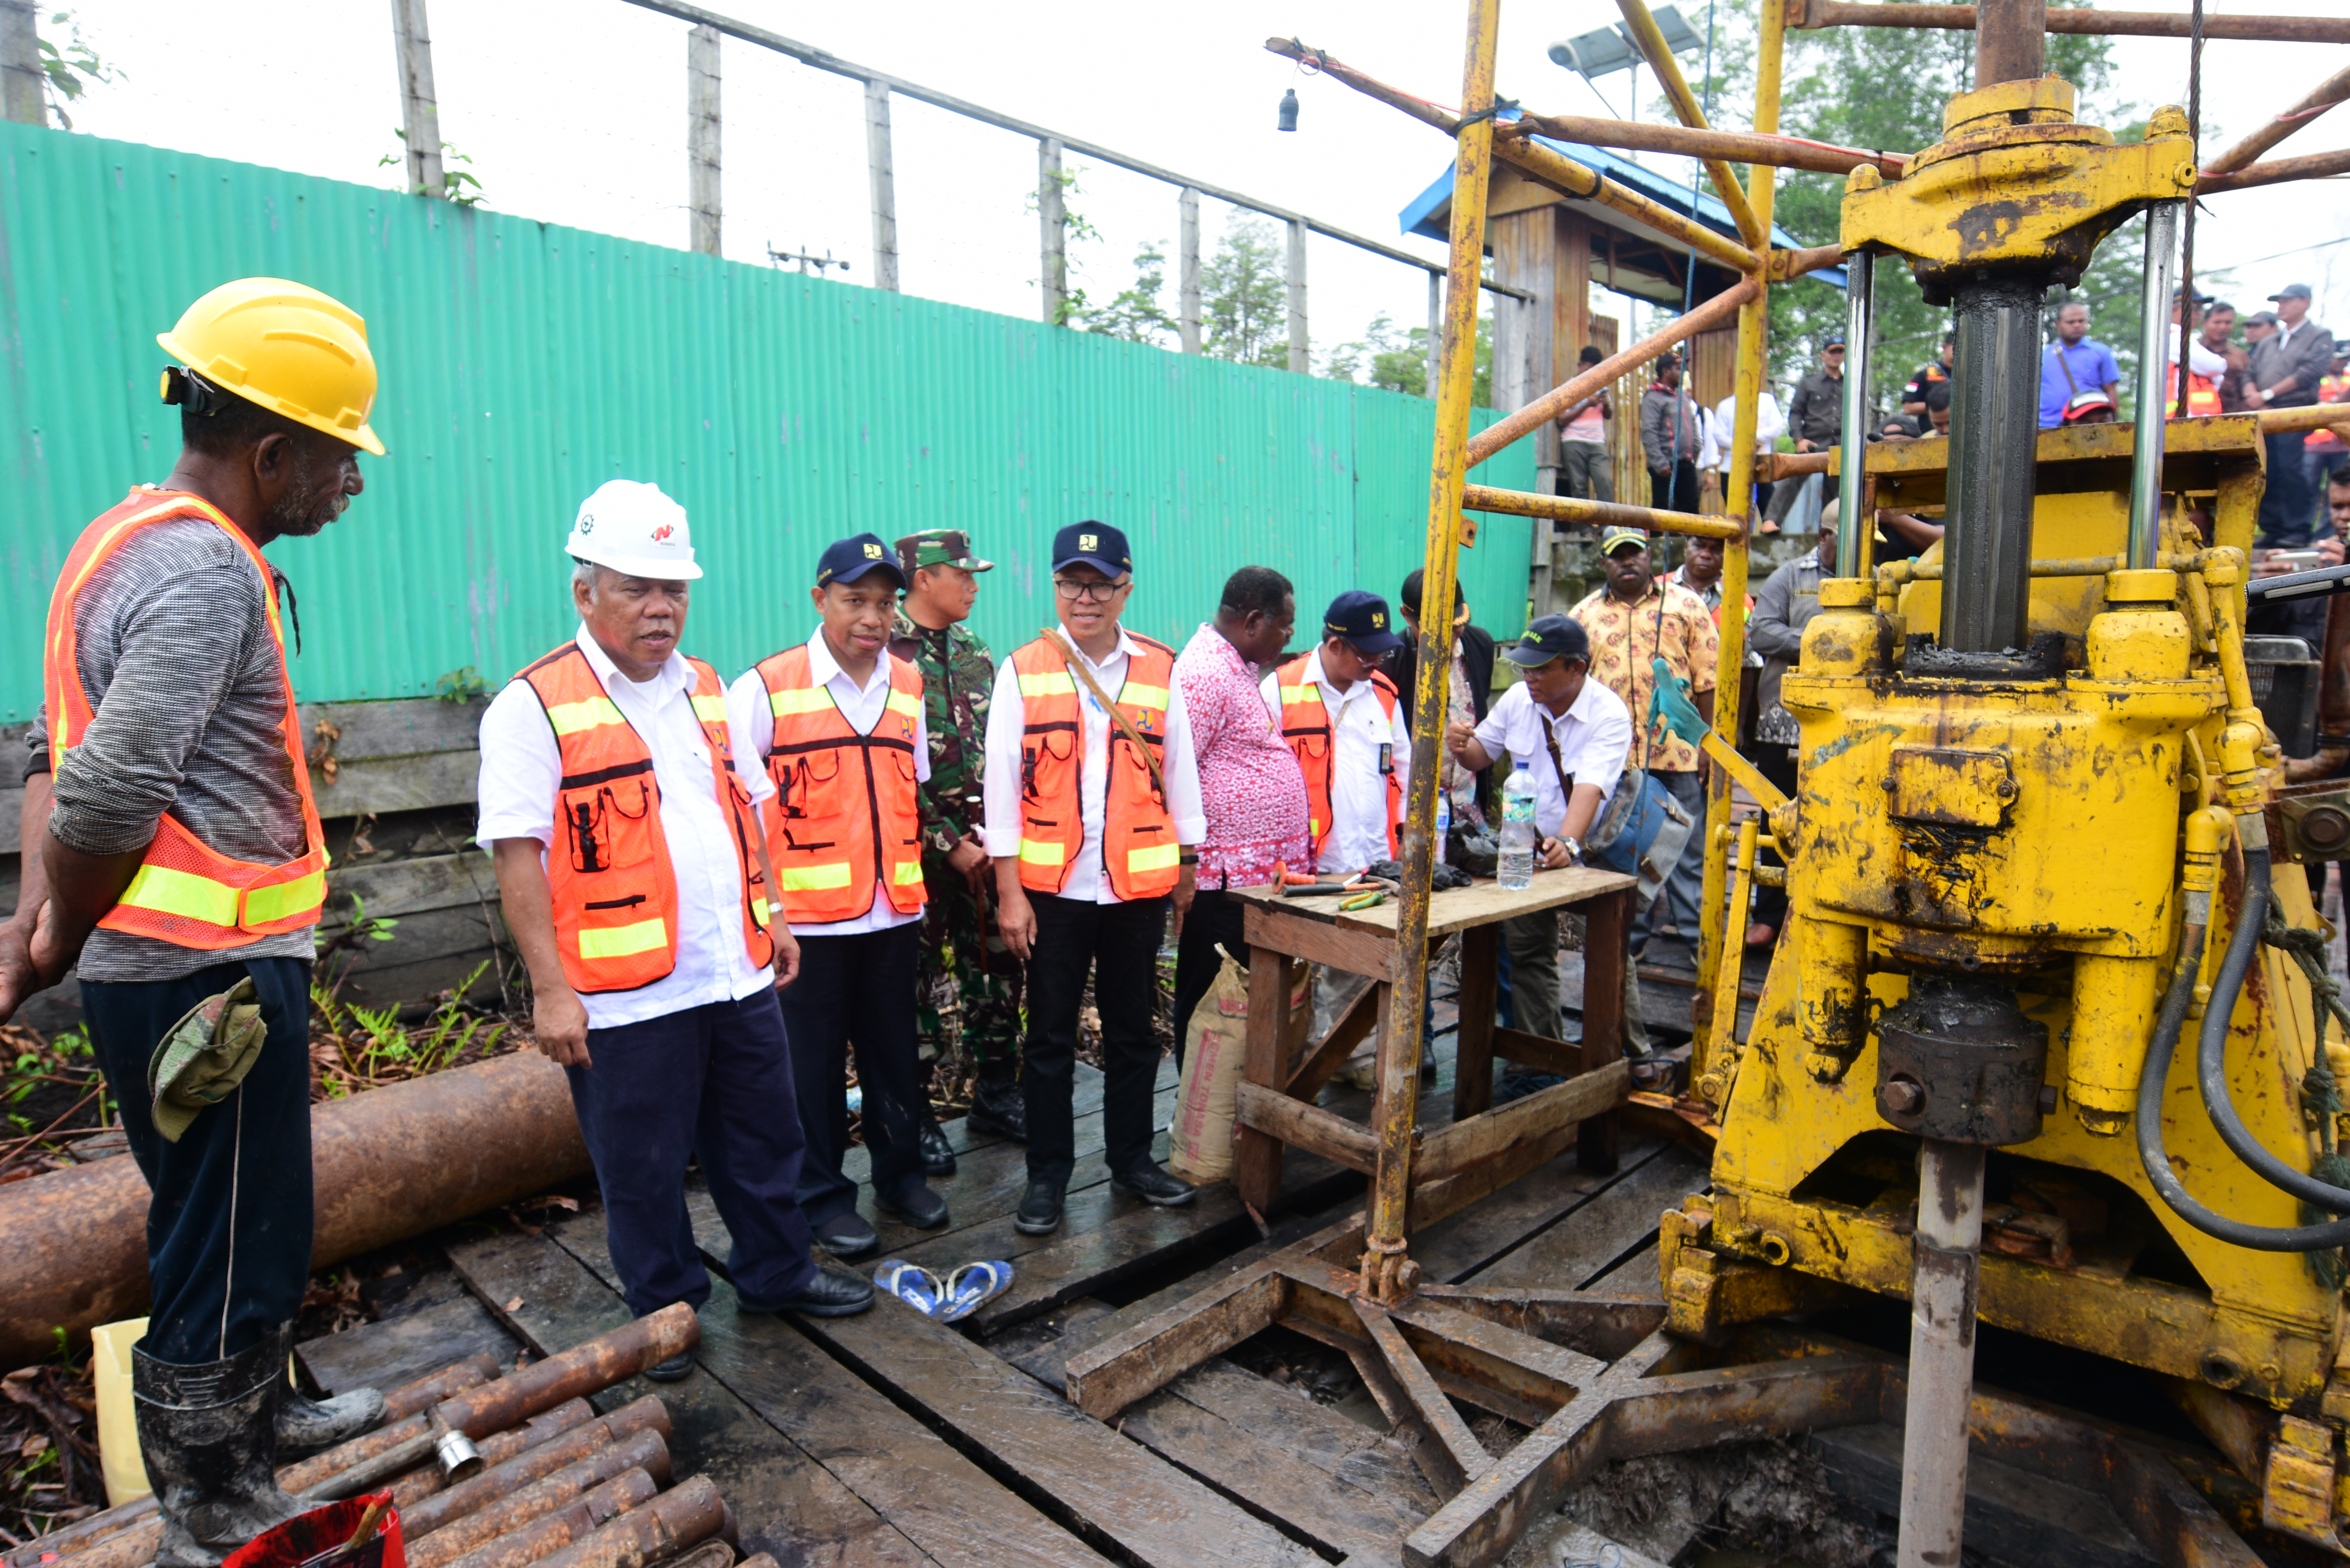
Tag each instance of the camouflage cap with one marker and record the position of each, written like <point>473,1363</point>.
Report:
<point>940,547</point>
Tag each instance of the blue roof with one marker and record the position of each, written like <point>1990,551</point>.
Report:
<point>1419,216</point>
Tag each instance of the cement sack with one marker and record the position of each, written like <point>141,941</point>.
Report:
<point>1200,1145</point>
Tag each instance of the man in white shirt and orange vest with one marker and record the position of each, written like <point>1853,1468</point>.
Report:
<point>830,736</point>
<point>635,878</point>
<point>1093,820</point>
<point>1352,738</point>
<point>177,853</point>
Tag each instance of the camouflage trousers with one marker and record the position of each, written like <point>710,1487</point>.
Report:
<point>982,998</point>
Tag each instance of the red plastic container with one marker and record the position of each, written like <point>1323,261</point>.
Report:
<point>323,1529</point>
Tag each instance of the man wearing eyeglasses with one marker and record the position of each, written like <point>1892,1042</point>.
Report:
<point>1093,820</point>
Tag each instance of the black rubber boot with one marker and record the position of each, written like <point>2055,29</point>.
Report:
<point>307,1426</point>
<point>997,1105</point>
<point>208,1433</point>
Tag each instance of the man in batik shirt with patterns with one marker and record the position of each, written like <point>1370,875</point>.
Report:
<point>962,956</point>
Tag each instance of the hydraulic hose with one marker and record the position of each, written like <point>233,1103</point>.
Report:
<point>2234,965</point>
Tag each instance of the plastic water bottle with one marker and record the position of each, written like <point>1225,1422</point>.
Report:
<point>1518,835</point>
<point>1443,818</point>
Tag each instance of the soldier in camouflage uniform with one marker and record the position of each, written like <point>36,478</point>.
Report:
<point>957,677</point>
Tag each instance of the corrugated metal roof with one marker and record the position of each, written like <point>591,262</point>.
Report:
<point>523,364</point>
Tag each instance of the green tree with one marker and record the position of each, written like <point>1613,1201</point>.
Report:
<point>1136,314</point>
<point>68,69</point>
<point>1398,360</point>
<point>1244,298</point>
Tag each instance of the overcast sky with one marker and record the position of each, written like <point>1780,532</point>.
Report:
<point>576,114</point>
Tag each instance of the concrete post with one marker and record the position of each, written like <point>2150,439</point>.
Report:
<point>1051,232</point>
<point>419,111</point>
<point>1187,296</point>
<point>701,139</point>
<point>878,161</point>
<point>1301,347</point>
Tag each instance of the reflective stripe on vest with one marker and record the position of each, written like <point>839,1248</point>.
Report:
<point>614,889</point>
<point>1139,852</point>
<point>845,816</point>
<point>185,892</point>
<point>1305,724</point>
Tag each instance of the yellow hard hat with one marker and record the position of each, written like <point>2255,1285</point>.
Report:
<point>287,348</point>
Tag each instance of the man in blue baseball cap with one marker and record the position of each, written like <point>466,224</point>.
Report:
<point>1341,715</point>
<point>829,737</point>
<point>1094,819</point>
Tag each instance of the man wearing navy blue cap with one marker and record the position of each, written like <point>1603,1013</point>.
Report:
<point>1352,737</point>
<point>1094,819</point>
<point>835,726</point>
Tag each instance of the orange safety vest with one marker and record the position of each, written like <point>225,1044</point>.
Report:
<point>1139,847</point>
<point>1306,725</point>
<point>185,892</point>
<point>2202,396</point>
<point>615,891</point>
<point>837,827</point>
<point>2330,390</point>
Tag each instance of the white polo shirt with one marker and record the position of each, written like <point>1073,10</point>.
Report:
<point>1359,729</point>
<point>752,718</point>
<point>1594,735</point>
<point>1007,715</point>
<point>522,775</point>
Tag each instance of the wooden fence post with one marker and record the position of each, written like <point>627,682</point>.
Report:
<point>1301,356</point>
<point>702,139</point>
<point>419,111</point>
<point>878,160</point>
<point>1188,270</point>
<point>1052,231</point>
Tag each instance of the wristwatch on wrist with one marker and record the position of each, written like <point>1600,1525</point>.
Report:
<point>1574,847</point>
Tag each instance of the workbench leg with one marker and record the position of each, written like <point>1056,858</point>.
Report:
<point>1256,1156</point>
<point>1606,922</point>
<point>1472,1069</point>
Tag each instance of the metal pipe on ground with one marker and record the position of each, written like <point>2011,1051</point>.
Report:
<point>582,1370</point>
<point>429,1480</point>
<point>410,1443</point>
<point>647,1414</point>
<point>565,1525</point>
<point>687,1515</point>
<point>387,1165</point>
<point>643,1451</point>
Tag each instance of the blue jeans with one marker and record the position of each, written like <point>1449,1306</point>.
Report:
<point>228,1229</point>
<point>711,1082</point>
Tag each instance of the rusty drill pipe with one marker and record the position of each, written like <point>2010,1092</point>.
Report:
<point>399,1403</point>
<point>584,1370</point>
<point>1736,146</point>
<point>643,1451</point>
<point>341,1472</point>
<point>2334,89</point>
<point>386,1164</point>
<point>2082,20</point>
<point>1597,514</point>
<point>2276,171</point>
<point>647,1414</point>
<point>687,1515</point>
<point>566,1524</point>
<point>412,1487</point>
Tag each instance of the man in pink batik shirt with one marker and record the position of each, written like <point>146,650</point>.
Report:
<point>1249,783</point>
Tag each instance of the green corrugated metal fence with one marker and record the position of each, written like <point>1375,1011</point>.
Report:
<point>524,364</point>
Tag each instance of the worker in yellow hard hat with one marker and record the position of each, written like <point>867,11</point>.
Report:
<point>176,853</point>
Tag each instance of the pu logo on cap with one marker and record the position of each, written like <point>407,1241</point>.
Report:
<point>1378,620</point>
<point>1089,541</point>
<point>872,552</point>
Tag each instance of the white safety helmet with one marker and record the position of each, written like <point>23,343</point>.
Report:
<point>630,527</point>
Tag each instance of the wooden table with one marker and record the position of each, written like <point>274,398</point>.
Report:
<point>1484,1148</point>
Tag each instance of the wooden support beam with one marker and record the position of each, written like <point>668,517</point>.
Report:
<point>1472,1059</point>
<point>1187,319</point>
<point>1354,1026</point>
<point>1539,1052</point>
<point>701,139</point>
<point>1318,942</point>
<point>1434,1407</point>
<point>880,163</point>
<point>1051,232</point>
<point>1256,1156</point>
<point>1606,956</point>
<point>420,111</point>
<point>1472,1143</point>
<point>1301,345</point>
<point>23,83</point>
<point>1309,1128</point>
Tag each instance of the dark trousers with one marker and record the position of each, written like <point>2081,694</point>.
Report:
<point>1120,944</point>
<point>228,1228</point>
<point>2287,509</point>
<point>1215,917</point>
<point>857,991</point>
<point>712,1083</point>
<point>1584,470</point>
<point>1674,491</point>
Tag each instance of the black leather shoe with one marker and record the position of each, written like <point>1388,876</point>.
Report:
<point>999,1109</point>
<point>938,1155</point>
<point>676,1369</point>
<point>829,1295</point>
<point>1153,1185</point>
<point>848,1236</point>
<point>917,1206</point>
<point>1039,1213</point>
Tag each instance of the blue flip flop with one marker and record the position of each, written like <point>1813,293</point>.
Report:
<point>972,1287</point>
<point>911,1284</point>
